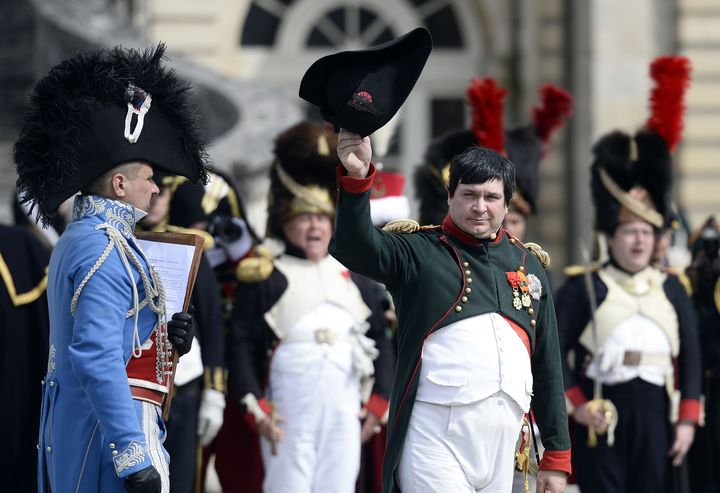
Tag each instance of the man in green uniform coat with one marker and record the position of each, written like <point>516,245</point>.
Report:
<point>477,334</point>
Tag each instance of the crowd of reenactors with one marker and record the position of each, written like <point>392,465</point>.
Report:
<point>287,383</point>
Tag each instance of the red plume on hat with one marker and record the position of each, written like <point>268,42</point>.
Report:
<point>667,99</point>
<point>524,145</point>
<point>557,105</point>
<point>632,174</point>
<point>486,100</point>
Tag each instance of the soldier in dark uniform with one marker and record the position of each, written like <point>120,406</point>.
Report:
<point>310,330</point>
<point>642,343</point>
<point>25,328</point>
<point>704,275</point>
<point>198,404</point>
<point>467,270</point>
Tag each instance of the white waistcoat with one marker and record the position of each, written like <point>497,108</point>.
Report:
<point>473,359</point>
<point>310,284</point>
<point>629,295</point>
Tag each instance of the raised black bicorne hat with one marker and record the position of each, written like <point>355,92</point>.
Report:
<point>98,110</point>
<point>362,90</point>
<point>632,174</point>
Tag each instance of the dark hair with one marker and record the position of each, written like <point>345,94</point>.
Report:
<point>478,165</point>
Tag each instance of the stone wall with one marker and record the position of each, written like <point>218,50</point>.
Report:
<point>699,154</point>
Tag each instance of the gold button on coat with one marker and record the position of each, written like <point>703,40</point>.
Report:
<point>464,299</point>
<point>532,322</point>
<point>530,311</point>
<point>458,308</point>
<point>466,265</point>
<point>468,290</point>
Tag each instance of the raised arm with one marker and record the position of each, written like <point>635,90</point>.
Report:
<point>385,257</point>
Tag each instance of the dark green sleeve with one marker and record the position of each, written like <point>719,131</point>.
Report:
<point>388,258</point>
<point>549,393</point>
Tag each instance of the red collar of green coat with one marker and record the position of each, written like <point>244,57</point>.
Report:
<point>450,228</point>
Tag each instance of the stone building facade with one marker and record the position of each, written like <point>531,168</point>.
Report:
<point>598,49</point>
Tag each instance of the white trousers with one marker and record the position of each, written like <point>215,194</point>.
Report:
<point>467,448</point>
<point>153,427</point>
<point>320,448</point>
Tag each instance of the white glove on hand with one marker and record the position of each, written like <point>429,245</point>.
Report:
<point>210,417</point>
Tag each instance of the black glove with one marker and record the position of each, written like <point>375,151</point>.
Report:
<point>144,481</point>
<point>180,331</point>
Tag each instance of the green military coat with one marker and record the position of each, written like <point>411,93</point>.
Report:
<point>440,276</point>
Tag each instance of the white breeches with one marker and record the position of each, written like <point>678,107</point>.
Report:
<point>153,428</point>
<point>320,448</point>
<point>467,448</point>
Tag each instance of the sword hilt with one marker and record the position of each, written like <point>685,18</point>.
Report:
<point>273,422</point>
<point>610,415</point>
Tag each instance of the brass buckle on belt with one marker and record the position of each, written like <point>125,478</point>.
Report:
<point>324,336</point>
<point>632,358</point>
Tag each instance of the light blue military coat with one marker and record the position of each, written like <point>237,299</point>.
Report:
<point>90,427</point>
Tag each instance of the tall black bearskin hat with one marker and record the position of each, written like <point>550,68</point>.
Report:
<point>525,146</point>
<point>98,110</point>
<point>632,175</point>
<point>303,177</point>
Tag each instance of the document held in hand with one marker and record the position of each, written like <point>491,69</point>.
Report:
<point>176,258</point>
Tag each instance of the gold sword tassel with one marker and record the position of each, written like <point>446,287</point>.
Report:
<point>273,423</point>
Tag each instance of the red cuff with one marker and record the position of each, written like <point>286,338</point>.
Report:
<point>377,405</point>
<point>556,460</point>
<point>355,185</point>
<point>576,396</point>
<point>250,417</point>
<point>689,410</point>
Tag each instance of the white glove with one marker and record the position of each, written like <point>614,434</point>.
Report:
<point>210,417</point>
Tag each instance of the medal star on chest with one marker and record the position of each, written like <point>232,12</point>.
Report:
<point>525,287</point>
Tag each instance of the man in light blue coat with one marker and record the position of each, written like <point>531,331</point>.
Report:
<point>99,124</point>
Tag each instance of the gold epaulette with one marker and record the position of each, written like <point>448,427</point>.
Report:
<point>537,250</point>
<point>402,226</point>
<point>209,240</point>
<point>254,269</point>
<point>577,270</point>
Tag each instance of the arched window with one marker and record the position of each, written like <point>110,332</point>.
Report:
<point>279,39</point>
<point>353,24</point>
<point>262,22</point>
<point>350,24</point>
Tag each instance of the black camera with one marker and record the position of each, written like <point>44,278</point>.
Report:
<point>226,229</point>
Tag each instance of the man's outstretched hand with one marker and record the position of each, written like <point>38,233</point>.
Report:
<point>355,153</point>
